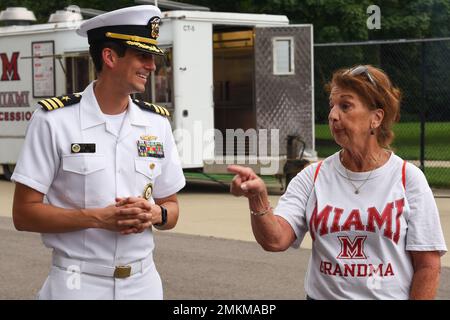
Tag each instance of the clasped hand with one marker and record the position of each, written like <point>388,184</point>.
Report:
<point>132,215</point>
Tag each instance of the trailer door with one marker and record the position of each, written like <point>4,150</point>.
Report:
<point>233,85</point>
<point>284,82</point>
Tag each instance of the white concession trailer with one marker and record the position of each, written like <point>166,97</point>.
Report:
<point>239,86</point>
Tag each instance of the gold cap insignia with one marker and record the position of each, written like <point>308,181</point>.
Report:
<point>154,25</point>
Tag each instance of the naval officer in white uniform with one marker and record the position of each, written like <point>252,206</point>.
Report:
<point>99,171</point>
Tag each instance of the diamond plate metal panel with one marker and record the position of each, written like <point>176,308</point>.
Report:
<point>284,102</point>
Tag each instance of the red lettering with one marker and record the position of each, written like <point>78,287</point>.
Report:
<point>358,270</point>
<point>349,269</point>
<point>353,219</point>
<point>337,216</point>
<point>327,267</point>
<point>317,219</point>
<point>389,271</point>
<point>385,218</point>
<point>9,71</point>
<point>352,249</point>
<point>362,270</point>
<point>399,204</point>
<point>375,270</point>
<point>318,222</point>
<point>15,116</point>
<point>337,270</point>
<point>11,99</point>
<point>21,98</point>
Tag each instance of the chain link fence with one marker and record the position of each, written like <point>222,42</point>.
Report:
<point>420,69</point>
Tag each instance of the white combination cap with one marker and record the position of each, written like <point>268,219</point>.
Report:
<point>136,27</point>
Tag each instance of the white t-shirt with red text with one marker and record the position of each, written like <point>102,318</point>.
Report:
<point>361,241</point>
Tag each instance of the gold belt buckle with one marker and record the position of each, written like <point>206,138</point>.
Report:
<point>122,272</point>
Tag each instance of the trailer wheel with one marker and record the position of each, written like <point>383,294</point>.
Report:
<point>8,170</point>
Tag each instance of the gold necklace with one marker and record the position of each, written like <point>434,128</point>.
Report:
<point>354,186</point>
<point>350,180</point>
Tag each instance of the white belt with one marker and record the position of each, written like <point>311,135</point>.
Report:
<point>100,270</point>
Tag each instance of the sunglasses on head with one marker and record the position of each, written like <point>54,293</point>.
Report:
<point>361,70</point>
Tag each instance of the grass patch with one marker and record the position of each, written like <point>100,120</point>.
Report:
<point>438,177</point>
<point>407,146</point>
<point>225,178</point>
<point>406,143</point>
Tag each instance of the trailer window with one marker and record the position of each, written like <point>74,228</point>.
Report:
<point>283,56</point>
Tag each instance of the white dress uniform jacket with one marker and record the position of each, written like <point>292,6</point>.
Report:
<point>92,180</point>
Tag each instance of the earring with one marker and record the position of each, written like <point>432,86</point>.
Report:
<point>372,132</point>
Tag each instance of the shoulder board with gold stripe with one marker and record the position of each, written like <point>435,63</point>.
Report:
<point>147,106</point>
<point>54,103</point>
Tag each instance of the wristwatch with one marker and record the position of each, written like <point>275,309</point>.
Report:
<point>163,217</point>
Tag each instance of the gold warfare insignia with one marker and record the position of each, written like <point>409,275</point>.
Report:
<point>154,25</point>
<point>76,148</point>
<point>149,138</point>
<point>147,194</point>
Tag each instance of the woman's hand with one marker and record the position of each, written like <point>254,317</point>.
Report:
<point>246,182</point>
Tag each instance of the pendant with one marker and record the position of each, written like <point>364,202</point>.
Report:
<point>356,191</point>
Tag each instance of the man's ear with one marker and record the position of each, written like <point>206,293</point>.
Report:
<point>109,57</point>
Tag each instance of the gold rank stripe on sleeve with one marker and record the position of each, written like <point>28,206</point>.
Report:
<point>54,103</point>
<point>59,102</point>
<point>45,105</point>
<point>161,110</point>
<point>152,108</point>
<point>158,109</point>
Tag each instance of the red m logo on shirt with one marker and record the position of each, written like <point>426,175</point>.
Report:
<point>352,249</point>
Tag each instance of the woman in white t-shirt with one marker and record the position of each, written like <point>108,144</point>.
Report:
<point>372,217</point>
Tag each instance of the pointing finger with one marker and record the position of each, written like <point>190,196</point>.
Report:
<point>240,170</point>
<point>244,172</point>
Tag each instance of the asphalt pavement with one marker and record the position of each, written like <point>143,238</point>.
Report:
<point>211,254</point>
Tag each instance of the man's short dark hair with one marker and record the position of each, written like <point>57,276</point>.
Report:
<point>96,48</point>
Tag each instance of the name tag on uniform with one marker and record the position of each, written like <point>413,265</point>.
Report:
<point>82,147</point>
